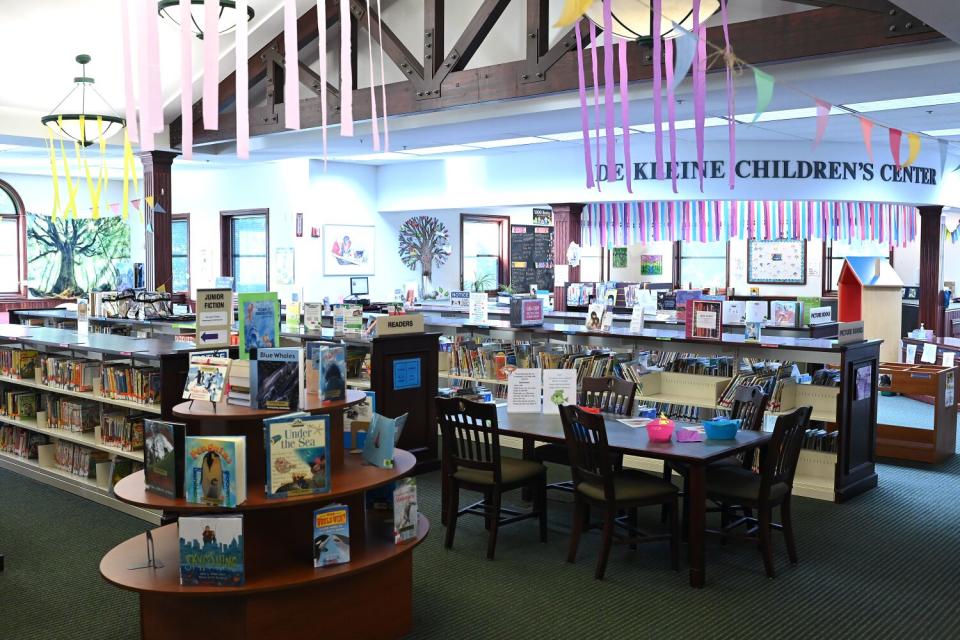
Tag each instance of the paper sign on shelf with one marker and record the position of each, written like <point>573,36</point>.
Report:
<point>929,353</point>
<point>459,298</point>
<point>478,308</point>
<point>313,316</point>
<point>214,317</point>
<point>523,391</point>
<point>821,315</point>
<point>559,387</point>
<point>83,317</point>
<point>948,358</point>
<point>849,332</point>
<point>393,325</point>
<point>911,357</point>
<point>636,319</point>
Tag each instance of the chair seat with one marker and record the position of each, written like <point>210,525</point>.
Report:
<point>555,453</point>
<point>736,484</point>
<point>631,486</point>
<point>512,471</point>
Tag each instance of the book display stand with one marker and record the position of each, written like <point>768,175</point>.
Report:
<point>283,594</point>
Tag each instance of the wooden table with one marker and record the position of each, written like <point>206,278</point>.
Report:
<point>632,441</point>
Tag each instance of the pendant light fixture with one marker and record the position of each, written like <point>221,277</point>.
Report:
<point>77,114</point>
<point>227,20</point>
<point>633,19</point>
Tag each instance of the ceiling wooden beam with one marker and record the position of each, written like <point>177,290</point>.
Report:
<point>433,38</point>
<point>470,40</point>
<point>393,47</point>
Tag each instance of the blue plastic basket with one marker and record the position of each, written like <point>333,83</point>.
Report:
<point>721,429</point>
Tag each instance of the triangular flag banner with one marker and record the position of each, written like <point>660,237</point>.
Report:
<point>686,49</point>
<point>913,145</point>
<point>866,128</point>
<point>823,118</point>
<point>149,200</point>
<point>115,207</point>
<point>764,82</point>
<point>895,135</point>
<point>158,208</point>
<point>944,148</point>
<point>136,203</point>
<point>571,12</point>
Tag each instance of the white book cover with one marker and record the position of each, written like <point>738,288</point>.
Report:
<point>756,311</point>
<point>559,387</point>
<point>734,311</point>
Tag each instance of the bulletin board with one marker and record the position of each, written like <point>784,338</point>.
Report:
<point>777,262</point>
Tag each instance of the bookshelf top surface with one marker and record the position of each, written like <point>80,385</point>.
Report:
<point>67,314</point>
<point>227,411</point>
<point>99,342</point>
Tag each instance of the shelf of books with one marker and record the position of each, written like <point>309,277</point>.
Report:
<point>73,406</point>
<point>691,380</point>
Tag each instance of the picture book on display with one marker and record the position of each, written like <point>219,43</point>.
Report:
<point>356,422</point>
<point>383,435</point>
<point>206,377</point>
<point>331,535</point>
<point>211,550</point>
<point>311,364</point>
<point>704,319</point>
<point>784,313</point>
<point>313,316</point>
<point>333,373</point>
<point>405,510</point>
<point>163,457</point>
<point>276,379</point>
<point>259,315</point>
<point>298,454</point>
<point>215,470</point>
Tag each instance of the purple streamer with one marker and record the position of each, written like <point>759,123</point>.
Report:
<point>625,114</point>
<point>596,94</point>
<point>657,89</point>
<point>609,83</point>
<point>584,114</point>
<point>731,96</point>
<point>671,111</point>
<point>699,86</point>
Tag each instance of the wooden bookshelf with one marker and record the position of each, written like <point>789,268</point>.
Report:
<point>87,395</point>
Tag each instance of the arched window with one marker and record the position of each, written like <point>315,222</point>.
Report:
<point>13,242</point>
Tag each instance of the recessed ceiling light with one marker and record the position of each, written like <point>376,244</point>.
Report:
<point>680,125</point>
<point>373,157</point>
<point>906,103</point>
<point>509,142</point>
<point>942,132</point>
<point>578,135</point>
<point>446,148</point>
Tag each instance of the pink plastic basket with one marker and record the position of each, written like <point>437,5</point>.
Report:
<point>657,432</point>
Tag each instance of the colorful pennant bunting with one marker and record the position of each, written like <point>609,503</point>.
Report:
<point>765,83</point>
<point>913,146</point>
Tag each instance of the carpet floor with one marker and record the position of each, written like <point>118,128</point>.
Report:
<point>881,566</point>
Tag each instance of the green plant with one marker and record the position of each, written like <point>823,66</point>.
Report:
<point>507,289</point>
<point>483,282</point>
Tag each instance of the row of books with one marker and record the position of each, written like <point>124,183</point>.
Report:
<point>17,363</point>
<point>71,414</point>
<point>18,404</point>
<point>77,459</point>
<point>821,440</point>
<point>118,429</point>
<point>140,384</point>
<point>21,442</point>
<point>68,373</point>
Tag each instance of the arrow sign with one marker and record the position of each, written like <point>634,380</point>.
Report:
<point>207,337</point>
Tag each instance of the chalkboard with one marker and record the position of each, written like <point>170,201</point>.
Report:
<point>531,257</point>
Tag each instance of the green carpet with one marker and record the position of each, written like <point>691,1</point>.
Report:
<point>882,566</point>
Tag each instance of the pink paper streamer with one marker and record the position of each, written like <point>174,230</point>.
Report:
<point>153,69</point>
<point>346,72</point>
<point>625,114</point>
<point>751,219</point>
<point>608,87</point>
<point>584,114</point>
<point>781,218</point>
<point>383,83</point>
<point>243,84</point>
<point>731,98</point>
<point>186,81</point>
<point>131,103</point>
<point>734,214</point>
<point>866,128</point>
<point>823,118</point>
<point>657,88</point>
<point>671,110</point>
<point>146,115</point>
<point>895,135</point>
<point>322,60</point>
<point>291,77</point>
<point>596,95</point>
<point>374,124</point>
<point>211,64</point>
<point>699,86</point>
<point>656,221</point>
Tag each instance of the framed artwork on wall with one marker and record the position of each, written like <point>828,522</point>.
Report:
<point>777,262</point>
<point>348,250</point>
<point>651,265</point>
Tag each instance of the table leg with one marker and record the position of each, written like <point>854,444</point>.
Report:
<point>697,492</point>
<point>528,445</point>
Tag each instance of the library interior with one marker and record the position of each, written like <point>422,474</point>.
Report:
<point>445,311</point>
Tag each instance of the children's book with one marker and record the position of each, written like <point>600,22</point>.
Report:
<point>259,321</point>
<point>298,454</point>
<point>405,510</point>
<point>313,316</point>
<point>356,422</point>
<point>206,378</point>
<point>383,435</point>
<point>276,379</point>
<point>595,313</point>
<point>311,364</point>
<point>163,444</point>
<point>704,319</point>
<point>215,470</point>
<point>211,550</point>
<point>331,535</point>
<point>734,311</point>
<point>784,313</point>
<point>333,373</point>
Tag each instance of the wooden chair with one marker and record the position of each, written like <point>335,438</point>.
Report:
<point>471,460</point>
<point>610,395</point>
<point>598,481</point>
<point>738,488</point>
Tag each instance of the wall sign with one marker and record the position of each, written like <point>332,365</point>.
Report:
<point>406,374</point>
<point>776,262</point>
<point>543,217</point>
<point>531,257</point>
<point>821,315</point>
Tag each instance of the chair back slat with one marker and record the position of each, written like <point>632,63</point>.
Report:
<point>781,455</point>
<point>471,436</point>
<point>590,458</point>
<point>610,395</point>
<point>748,406</point>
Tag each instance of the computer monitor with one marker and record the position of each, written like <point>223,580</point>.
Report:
<point>359,285</point>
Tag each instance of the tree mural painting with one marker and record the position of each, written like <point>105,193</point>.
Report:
<point>424,241</point>
<point>69,256</point>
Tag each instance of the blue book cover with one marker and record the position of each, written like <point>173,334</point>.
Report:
<point>259,321</point>
<point>331,535</point>
<point>297,452</point>
<point>215,470</point>
<point>381,439</point>
<point>211,550</point>
<point>333,374</point>
<point>276,379</point>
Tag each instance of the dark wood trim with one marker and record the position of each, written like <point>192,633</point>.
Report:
<point>185,217</point>
<point>393,47</point>
<point>675,259</point>
<point>503,264</point>
<point>566,229</point>
<point>434,47</point>
<point>470,40</point>
<point>931,302</point>
<point>158,183</point>
<point>21,215</point>
<point>226,245</point>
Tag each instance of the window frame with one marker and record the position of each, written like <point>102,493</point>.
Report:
<point>827,270</point>
<point>226,239</point>
<point>182,217</point>
<point>503,262</point>
<point>20,216</point>
<point>678,265</point>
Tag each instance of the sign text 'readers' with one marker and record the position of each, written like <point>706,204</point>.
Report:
<point>394,325</point>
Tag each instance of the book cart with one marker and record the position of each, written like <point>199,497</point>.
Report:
<point>170,356</point>
<point>921,443</point>
<point>283,594</point>
<point>845,409</point>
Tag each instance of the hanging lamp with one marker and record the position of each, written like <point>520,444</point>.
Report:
<point>633,19</point>
<point>76,115</point>
<point>226,20</point>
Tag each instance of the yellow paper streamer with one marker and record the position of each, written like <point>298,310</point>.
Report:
<point>572,11</point>
<point>914,142</point>
<point>71,187</point>
<point>127,165</point>
<point>82,161</point>
<point>53,172</point>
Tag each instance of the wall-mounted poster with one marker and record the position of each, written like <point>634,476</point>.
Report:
<point>777,262</point>
<point>619,258</point>
<point>543,217</point>
<point>347,250</point>
<point>651,265</point>
<point>68,256</point>
<point>285,260</point>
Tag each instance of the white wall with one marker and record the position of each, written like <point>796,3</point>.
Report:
<point>738,272</point>
<point>632,272</point>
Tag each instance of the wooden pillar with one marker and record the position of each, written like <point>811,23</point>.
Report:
<point>157,169</point>
<point>566,229</point>
<point>931,302</point>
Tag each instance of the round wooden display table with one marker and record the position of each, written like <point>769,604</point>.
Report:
<point>283,595</point>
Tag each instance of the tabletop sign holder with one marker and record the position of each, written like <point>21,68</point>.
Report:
<point>152,562</point>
